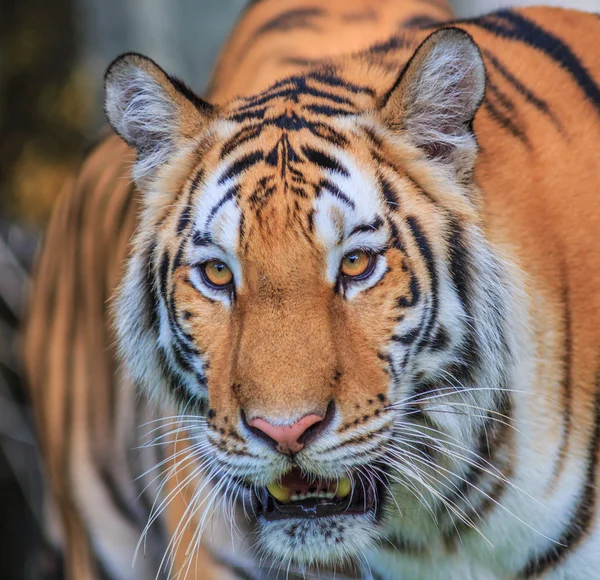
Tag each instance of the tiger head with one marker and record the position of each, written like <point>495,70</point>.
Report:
<point>310,274</point>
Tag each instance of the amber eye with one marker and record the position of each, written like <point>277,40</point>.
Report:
<point>217,273</point>
<point>357,264</point>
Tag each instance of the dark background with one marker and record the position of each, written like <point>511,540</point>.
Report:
<point>53,54</point>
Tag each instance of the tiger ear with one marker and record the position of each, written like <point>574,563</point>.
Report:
<point>151,111</point>
<point>436,97</point>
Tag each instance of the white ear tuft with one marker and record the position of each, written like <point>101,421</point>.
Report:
<point>149,110</point>
<point>436,97</point>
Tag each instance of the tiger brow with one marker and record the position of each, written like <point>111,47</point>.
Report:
<point>374,226</point>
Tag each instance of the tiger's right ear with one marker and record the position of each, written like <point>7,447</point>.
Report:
<point>434,101</point>
<point>151,111</point>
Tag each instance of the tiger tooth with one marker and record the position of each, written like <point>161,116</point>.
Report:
<point>344,487</point>
<point>279,492</point>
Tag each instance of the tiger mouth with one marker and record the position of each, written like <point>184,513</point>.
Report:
<point>300,495</point>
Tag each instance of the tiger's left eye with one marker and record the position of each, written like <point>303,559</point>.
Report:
<point>357,264</point>
<point>217,273</point>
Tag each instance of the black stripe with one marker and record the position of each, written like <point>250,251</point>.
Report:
<point>324,161</point>
<point>407,338</point>
<point>297,18</point>
<point>184,218</point>
<point>427,254</point>
<point>440,341</point>
<point>328,78</point>
<point>584,514</point>
<point>515,26</point>
<point>324,131</point>
<point>335,191</point>
<point>240,165</point>
<point>328,111</point>
<point>149,292</point>
<point>241,137</point>
<point>229,195</point>
<point>202,239</point>
<point>397,242</point>
<point>388,191</point>
<point>538,103</point>
<point>296,87</point>
<point>249,114</point>
<point>163,276</point>
<point>499,95</point>
<point>459,264</point>
<point>394,43</point>
<point>289,121</point>
<point>567,386</point>
<point>415,293</point>
<point>420,21</point>
<point>372,227</point>
<point>505,122</point>
<point>297,61</point>
<point>461,272</point>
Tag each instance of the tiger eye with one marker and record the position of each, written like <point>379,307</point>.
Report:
<point>356,263</point>
<point>218,273</point>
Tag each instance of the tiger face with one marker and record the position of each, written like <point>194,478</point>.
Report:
<point>309,270</point>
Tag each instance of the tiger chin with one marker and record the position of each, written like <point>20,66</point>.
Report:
<point>364,293</point>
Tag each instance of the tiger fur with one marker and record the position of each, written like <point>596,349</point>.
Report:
<point>462,375</point>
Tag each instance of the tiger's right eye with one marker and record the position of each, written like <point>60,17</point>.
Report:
<point>357,264</point>
<point>217,273</point>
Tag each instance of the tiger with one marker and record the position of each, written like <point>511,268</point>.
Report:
<point>340,316</point>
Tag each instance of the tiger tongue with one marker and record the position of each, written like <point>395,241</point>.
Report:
<point>300,485</point>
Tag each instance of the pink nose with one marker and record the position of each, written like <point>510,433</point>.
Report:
<point>286,435</point>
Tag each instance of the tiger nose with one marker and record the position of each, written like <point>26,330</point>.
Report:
<point>287,437</point>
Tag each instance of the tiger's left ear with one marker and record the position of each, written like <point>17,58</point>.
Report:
<point>436,97</point>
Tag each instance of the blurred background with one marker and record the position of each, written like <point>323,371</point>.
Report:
<point>53,54</point>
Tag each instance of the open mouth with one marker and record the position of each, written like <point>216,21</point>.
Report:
<point>299,495</point>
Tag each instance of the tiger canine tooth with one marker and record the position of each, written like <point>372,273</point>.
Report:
<point>343,488</point>
<point>279,492</point>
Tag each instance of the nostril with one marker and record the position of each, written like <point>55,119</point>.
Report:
<point>317,428</point>
<point>257,432</point>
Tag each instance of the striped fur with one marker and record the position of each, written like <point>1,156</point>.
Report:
<point>462,373</point>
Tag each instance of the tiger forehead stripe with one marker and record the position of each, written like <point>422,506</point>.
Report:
<point>240,165</point>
